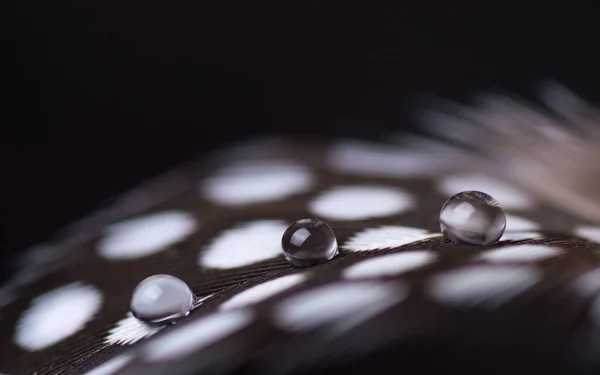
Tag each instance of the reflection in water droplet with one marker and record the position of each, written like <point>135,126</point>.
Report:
<point>472,217</point>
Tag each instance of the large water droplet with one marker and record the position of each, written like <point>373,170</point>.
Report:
<point>472,217</point>
<point>161,299</point>
<point>308,242</point>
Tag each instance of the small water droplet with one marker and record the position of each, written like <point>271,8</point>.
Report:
<point>308,242</point>
<point>161,299</point>
<point>472,217</point>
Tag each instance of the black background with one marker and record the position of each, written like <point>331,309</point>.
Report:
<point>107,93</point>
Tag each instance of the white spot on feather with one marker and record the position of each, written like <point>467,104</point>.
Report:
<point>520,253</point>
<point>340,306</point>
<point>129,331</point>
<point>247,182</point>
<point>56,315</point>
<point>245,244</point>
<point>389,265</point>
<point>386,237</point>
<point>482,286</point>
<point>145,235</point>
<point>189,339</point>
<point>361,202</point>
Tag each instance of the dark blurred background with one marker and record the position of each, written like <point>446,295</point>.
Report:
<point>103,94</point>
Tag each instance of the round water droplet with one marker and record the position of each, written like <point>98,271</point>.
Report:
<point>161,299</point>
<point>308,242</point>
<point>472,217</point>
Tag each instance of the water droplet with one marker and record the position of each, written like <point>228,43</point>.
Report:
<point>308,242</point>
<point>162,299</point>
<point>472,217</point>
